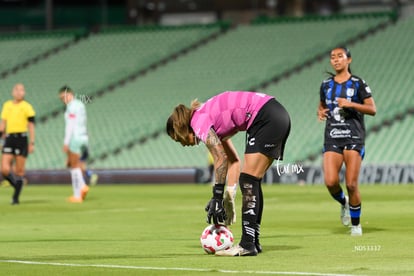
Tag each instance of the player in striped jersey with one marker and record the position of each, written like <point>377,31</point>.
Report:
<point>267,126</point>
<point>344,99</point>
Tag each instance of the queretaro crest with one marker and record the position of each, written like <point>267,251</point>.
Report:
<point>350,92</point>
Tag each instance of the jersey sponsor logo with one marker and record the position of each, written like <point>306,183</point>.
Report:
<point>340,133</point>
<point>269,145</point>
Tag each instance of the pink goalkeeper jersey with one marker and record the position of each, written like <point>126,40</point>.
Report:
<point>227,113</point>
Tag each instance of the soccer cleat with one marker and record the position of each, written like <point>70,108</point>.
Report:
<point>5,183</point>
<point>356,230</point>
<point>73,199</point>
<point>345,216</point>
<point>229,207</point>
<point>258,246</point>
<point>256,239</point>
<point>84,191</point>
<point>94,179</point>
<point>15,201</point>
<point>237,251</point>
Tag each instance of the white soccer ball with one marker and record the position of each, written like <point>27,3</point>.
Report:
<point>215,238</point>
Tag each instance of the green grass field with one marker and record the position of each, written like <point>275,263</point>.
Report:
<point>155,230</point>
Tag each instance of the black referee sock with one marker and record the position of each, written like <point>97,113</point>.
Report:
<point>11,179</point>
<point>17,189</point>
<point>250,188</point>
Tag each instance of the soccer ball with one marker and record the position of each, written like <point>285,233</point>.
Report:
<point>215,238</point>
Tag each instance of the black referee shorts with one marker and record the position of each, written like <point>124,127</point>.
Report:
<point>16,144</point>
<point>269,131</point>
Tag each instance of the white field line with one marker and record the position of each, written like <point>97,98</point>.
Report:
<point>174,268</point>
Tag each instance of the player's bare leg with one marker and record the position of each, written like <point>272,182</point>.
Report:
<point>332,163</point>
<point>353,164</point>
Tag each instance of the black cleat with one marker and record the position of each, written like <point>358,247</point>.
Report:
<point>258,247</point>
<point>15,202</point>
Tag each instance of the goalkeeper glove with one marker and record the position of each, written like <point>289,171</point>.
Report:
<point>215,208</point>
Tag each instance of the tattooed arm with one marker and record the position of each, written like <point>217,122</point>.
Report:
<point>233,161</point>
<point>215,211</point>
<point>216,149</point>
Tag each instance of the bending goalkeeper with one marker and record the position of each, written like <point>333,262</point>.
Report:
<point>267,126</point>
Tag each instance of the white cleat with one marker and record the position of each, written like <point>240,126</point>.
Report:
<point>345,216</point>
<point>235,251</point>
<point>356,230</point>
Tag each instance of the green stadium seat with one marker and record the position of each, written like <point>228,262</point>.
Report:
<point>240,59</point>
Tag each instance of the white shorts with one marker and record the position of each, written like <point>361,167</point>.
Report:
<point>76,144</point>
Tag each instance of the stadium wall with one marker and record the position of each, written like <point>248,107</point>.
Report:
<point>279,174</point>
<point>121,176</point>
<point>369,174</point>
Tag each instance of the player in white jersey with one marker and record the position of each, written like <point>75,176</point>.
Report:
<point>75,141</point>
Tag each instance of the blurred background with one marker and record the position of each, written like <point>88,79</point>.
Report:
<point>132,61</point>
<point>24,15</point>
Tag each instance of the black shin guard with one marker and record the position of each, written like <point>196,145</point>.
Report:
<point>250,188</point>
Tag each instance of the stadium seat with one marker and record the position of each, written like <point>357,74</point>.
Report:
<point>243,58</point>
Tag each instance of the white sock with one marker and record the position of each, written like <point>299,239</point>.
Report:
<point>81,179</point>
<point>77,181</point>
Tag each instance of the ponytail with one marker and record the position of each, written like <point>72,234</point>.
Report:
<point>178,124</point>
